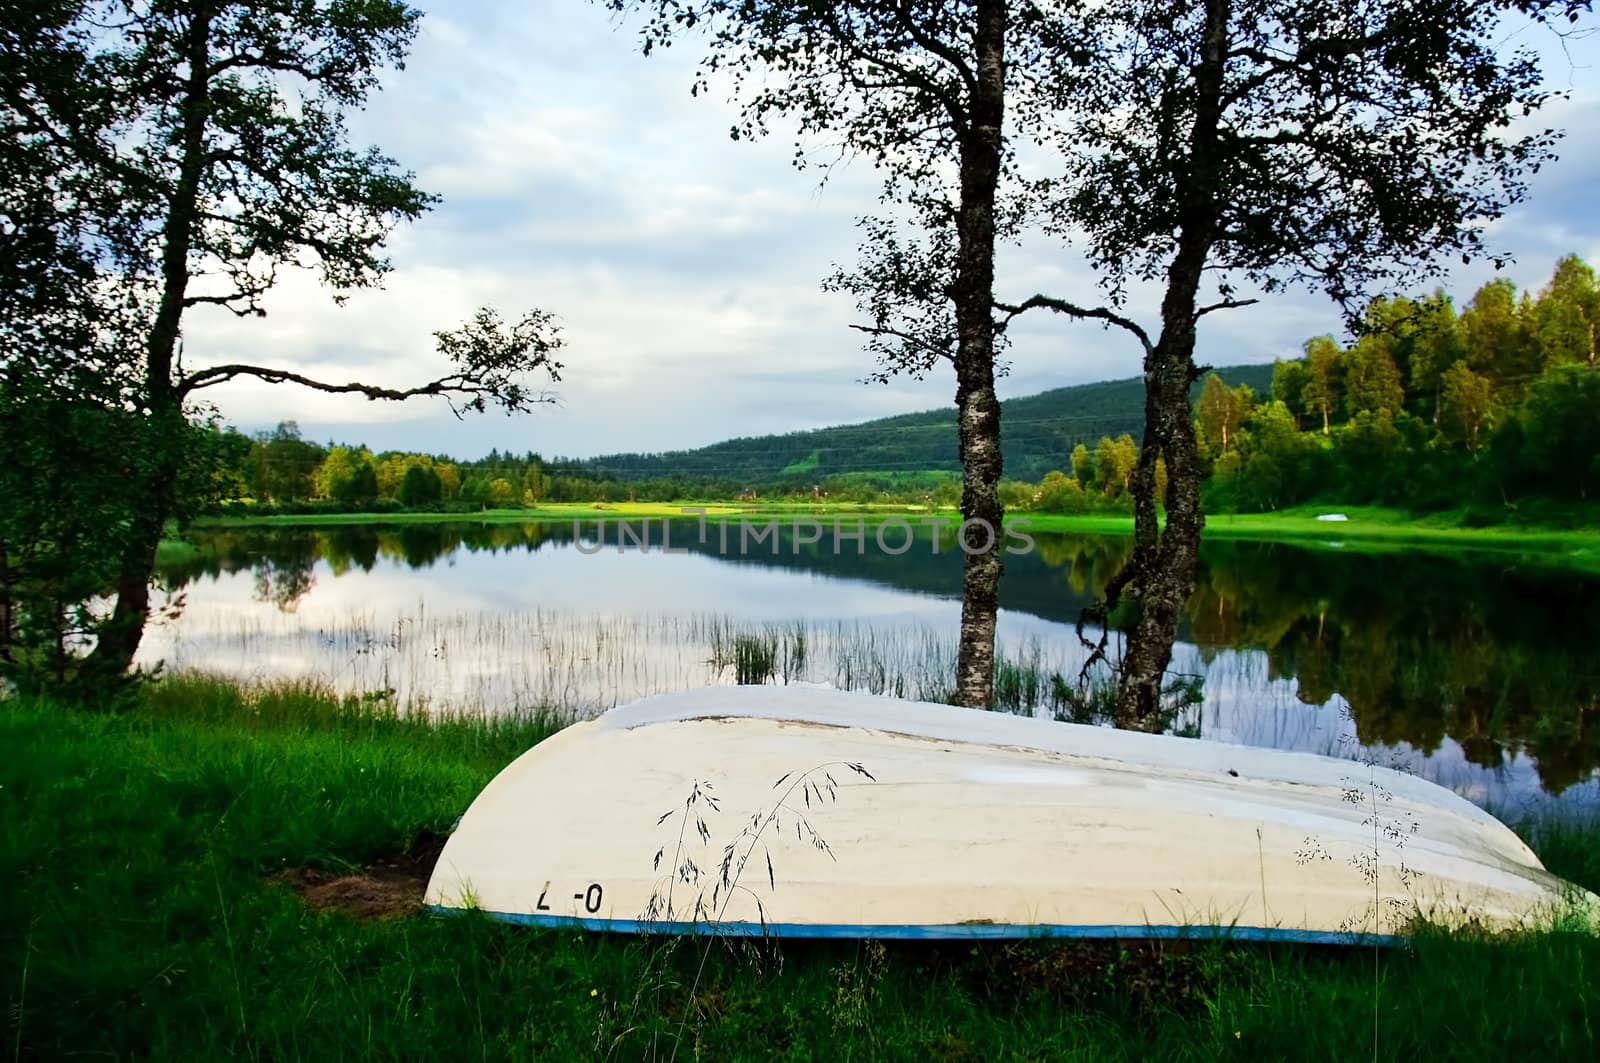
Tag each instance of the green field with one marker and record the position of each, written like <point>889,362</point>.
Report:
<point>568,511</point>
<point>1368,528</point>
<point>1371,528</point>
<point>143,861</point>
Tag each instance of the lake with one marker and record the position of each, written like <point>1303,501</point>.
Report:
<point>1476,671</point>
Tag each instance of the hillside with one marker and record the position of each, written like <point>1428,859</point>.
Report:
<point>1038,433</point>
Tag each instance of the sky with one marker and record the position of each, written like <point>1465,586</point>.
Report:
<point>580,177</point>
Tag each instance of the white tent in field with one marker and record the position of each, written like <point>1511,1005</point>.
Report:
<point>809,812</point>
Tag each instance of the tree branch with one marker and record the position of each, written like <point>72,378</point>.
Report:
<point>1226,304</point>
<point>229,302</point>
<point>490,357</point>
<point>1061,306</point>
<point>915,341</point>
<point>910,77</point>
<point>936,47</point>
<point>455,385</point>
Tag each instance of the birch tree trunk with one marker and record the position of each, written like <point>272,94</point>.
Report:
<point>978,407</point>
<point>1161,573</point>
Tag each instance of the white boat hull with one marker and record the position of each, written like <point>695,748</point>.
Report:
<point>806,812</point>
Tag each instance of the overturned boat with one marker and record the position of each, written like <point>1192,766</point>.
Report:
<point>809,812</point>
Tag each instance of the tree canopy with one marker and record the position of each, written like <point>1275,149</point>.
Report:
<point>1484,410</point>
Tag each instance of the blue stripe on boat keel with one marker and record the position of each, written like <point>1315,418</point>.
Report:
<point>937,932</point>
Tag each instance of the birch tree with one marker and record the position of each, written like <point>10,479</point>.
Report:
<point>920,90</point>
<point>1222,145</point>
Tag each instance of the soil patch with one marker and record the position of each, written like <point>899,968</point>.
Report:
<point>388,887</point>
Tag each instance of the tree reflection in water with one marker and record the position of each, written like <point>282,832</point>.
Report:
<point>1493,651</point>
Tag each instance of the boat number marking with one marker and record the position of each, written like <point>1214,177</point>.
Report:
<point>590,898</point>
<point>541,906</point>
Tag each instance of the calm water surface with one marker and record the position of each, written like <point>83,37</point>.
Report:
<point>1479,672</point>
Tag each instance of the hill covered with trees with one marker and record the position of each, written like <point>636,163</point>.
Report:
<point>1038,433</point>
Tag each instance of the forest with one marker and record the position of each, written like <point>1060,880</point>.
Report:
<point>1491,407</point>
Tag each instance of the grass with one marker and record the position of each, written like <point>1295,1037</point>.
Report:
<point>1379,522</point>
<point>1368,528</point>
<point>174,551</point>
<point>1371,529</point>
<point>568,511</point>
<point>1570,850</point>
<point>140,920</point>
<point>809,463</point>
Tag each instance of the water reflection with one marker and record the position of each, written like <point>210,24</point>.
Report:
<point>1477,672</point>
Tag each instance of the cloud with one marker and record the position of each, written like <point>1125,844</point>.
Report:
<point>580,177</point>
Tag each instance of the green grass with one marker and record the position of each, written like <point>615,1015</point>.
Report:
<point>136,850</point>
<point>174,551</point>
<point>1570,850</point>
<point>1372,529</point>
<point>1453,528</point>
<point>567,511</point>
<point>810,463</point>
<point>1384,522</point>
